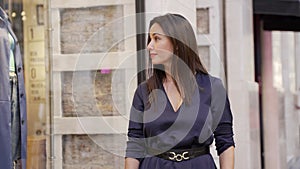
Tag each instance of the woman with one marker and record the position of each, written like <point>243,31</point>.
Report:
<point>180,109</point>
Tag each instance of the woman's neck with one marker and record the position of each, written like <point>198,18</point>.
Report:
<point>169,78</point>
<point>167,69</point>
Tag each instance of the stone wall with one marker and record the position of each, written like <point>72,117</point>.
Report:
<point>88,93</point>
<point>90,30</point>
<point>203,21</point>
<point>82,152</point>
<point>97,29</point>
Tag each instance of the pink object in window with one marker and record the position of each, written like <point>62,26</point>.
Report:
<point>105,71</point>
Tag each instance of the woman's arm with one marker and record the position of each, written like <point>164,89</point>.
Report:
<point>223,133</point>
<point>135,149</point>
<point>227,159</point>
<point>131,163</point>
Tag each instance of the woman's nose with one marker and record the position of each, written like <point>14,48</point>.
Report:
<point>150,45</point>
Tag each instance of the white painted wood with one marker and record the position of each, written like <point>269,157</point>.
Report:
<point>297,70</point>
<point>58,153</point>
<point>214,38</point>
<point>204,3</point>
<point>239,15</point>
<point>271,108</point>
<point>160,7</point>
<point>131,79</point>
<point>86,3</point>
<point>291,128</point>
<point>90,125</point>
<point>216,30</point>
<point>55,31</point>
<point>92,61</point>
<point>57,107</point>
<point>204,40</point>
<point>255,158</point>
<point>277,64</point>
<point>129,18</point>
<point>287,54</point>
<point>187,9</point>
<point>125,60</point>
<point>297,60</point>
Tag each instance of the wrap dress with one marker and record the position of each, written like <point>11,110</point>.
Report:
<point>196,124</point>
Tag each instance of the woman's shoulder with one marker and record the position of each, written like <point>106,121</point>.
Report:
<point>142,85</point>
<point>141,88</point>
<point>209,80</point>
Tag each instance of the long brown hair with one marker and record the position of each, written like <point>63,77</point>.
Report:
<point>185,60</point>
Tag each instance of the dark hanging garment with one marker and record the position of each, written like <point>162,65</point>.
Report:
<point>13,120</point>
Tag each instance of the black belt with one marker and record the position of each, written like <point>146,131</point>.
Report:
<point>183,154</point>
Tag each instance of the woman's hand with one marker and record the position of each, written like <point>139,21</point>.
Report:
<point>227,159</point>
<point>131,163</point>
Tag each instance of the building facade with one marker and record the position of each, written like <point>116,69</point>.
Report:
<point>84,59</point>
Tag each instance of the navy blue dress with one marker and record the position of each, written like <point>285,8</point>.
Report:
<point>159,127</point>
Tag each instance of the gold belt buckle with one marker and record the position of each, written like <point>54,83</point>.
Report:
<point>179,157</point>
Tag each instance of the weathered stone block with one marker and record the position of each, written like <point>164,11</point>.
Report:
<point>82,152</point>
<point>89,93</point>
<point>90,30</point>
<point>203,20</point>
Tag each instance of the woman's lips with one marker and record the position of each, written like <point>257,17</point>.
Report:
<point>152,55</point>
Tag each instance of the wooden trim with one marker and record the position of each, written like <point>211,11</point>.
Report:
<point>58,154</point>
<point>215,38</point>
<point>90,125</point>
<point>90,61</point>
<point>57,108</point>
<point>204,3</point>
<point>129,18</point>
<point>204,40</point>
<point>55,31</point>
<point>87,3</point>
<point>93,61</point>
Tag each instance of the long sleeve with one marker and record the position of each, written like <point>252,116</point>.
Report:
<point>135,143</point>
<point>222,114</point>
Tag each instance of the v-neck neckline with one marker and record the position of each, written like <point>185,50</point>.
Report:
<point>169,101</point>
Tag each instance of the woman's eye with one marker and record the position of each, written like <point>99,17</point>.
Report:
<point>156,38</point>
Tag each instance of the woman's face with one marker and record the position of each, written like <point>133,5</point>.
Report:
<point>160,46</point>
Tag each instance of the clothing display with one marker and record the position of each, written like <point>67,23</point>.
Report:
<point>11,57</point>
<point>190,129</point>
<point>13,120</point>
